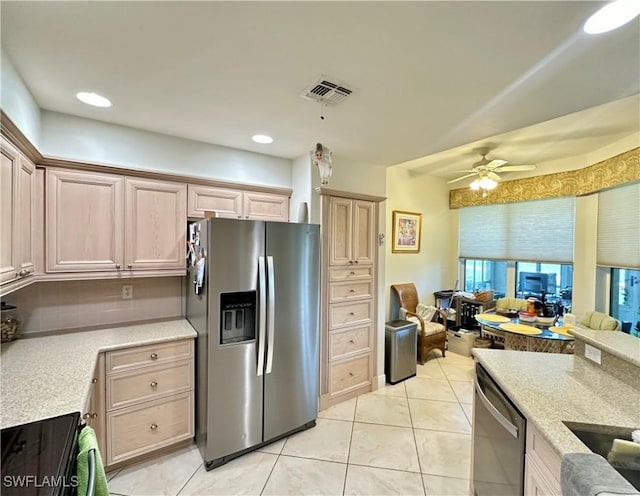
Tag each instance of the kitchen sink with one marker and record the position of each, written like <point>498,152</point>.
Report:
<point>599,439</point>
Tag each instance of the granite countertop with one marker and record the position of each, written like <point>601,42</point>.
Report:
<point>49,376</point>
<point>549,388</point>
<point>619,344</point>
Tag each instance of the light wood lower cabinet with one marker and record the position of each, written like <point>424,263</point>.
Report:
<point>542,466</point>
<point>149,397</point>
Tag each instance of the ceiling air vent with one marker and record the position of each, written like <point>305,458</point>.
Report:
<point>327,90</point>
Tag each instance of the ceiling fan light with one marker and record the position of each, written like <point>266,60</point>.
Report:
<point>487,183</point>
<point>612,16</point>
<point>475,185</point>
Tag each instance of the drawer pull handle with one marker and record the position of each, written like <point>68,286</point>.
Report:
<point>351,313</point>
<point>153,356</point>
<point>351,341</point>
<point>355,261</point>
<point>351,374</point>
<point>352,273</point>
<point>129,266</point>
<point>94,380</point>
<point>350,261</point>
<point>117,266</point>
<point>352,290</point>
<point>153,384</point>
<point>153,427</point>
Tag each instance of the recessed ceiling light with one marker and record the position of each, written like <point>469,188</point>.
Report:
<point>262,138</point>
<point>93,99</point>
<point>612,16</point>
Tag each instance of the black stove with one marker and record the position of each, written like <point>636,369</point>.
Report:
<point>38,459</point>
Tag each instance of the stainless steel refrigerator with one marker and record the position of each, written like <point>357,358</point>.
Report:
<point>253,298</point>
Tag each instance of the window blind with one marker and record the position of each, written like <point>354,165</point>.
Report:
<point>536,231</point>
<point>619,227</point>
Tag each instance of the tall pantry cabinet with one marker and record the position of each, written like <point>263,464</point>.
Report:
<point>349,300</point>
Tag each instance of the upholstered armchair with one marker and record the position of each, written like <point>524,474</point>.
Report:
<point>432,335</point>
<point>600,321</point>
<point>506,304</point>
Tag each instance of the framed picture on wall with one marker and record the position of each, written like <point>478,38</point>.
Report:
<point>407,229</point>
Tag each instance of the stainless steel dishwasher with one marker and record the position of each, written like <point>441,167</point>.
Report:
<point>499,433</point>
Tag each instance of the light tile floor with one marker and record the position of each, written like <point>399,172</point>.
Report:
<point>412,438</point>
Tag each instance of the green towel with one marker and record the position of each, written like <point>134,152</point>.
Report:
<point>87,441</point>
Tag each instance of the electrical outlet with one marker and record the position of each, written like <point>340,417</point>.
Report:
<point>127,292</point>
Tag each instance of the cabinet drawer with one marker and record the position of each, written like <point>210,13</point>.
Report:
<point>142,356</point>
<point>147,427</point>
<point>341,314</point>
<point>544,455</point>
<point>343,291</point>
<point>537,482</point>
<point>350,341</point>
<point>349,374</point>
<point>351,273</point>
<point>148,383</point>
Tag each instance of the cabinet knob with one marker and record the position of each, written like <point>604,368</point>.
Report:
<point>153,427</point>
<point>246,216</point>
<point>94,415</point>
<point>351,313</point>
<point>351,374</point>
<point>129,265</point>
<point>352,290</point>
<point>118,266</point>
<point>94,380</point>
<point>239,216</point>
<point>352,273</point>
<point>153,356</point>
<point>86,416</point>
<point>351,341</point>
<point>355,261</point>
<point>350,261</point>
<point>154,384</point>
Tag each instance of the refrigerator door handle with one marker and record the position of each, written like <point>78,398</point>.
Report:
<point>262,317</point>
<point>271,314</point>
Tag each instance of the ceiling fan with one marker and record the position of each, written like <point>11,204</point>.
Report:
<point>488,169</point>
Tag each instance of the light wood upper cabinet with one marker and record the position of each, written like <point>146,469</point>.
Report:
<point>226,202</point>
<point>87,230</point>
<point>155,224</point>
<point>17,219</point>
<point>9,213</point>
<point>364,231</point>
<point>237,204</point>
<point>352,225</point>
<point>265,206</point>
<point>85,221</point>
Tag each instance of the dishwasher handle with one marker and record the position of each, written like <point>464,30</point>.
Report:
<point>508,426</point>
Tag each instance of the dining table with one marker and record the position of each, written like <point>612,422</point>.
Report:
<point>523,335</point>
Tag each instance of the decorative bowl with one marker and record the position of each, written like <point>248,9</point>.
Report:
<point>527,317</point>
<point>545,320</point>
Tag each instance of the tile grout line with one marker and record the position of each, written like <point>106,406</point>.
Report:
<point>353,423</point>
<point>273,468</point>
<point>189,478</point>
<point>415,444</point>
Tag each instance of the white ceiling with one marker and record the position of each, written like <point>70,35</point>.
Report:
<point>434,79</point>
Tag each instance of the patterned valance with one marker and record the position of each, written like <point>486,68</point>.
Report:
<point>621,169</point>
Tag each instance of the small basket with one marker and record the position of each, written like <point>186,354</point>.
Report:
<point>484,295</point>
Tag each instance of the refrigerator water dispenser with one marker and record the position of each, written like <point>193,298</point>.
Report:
<point>237,317</point>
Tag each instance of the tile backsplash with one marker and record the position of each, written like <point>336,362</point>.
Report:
<point>51,306</point>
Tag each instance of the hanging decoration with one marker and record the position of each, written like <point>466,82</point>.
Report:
<point>321,158</point>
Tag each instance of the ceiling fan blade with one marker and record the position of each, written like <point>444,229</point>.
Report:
<point>495,163</point>
<point>514,168</point>
<point>461,178</point>
<point>494,176</point>
<point>466,170</point>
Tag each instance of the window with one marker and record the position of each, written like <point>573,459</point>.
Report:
<point>485,274</point>
<point>625,299</point>
<point>555,279</point>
